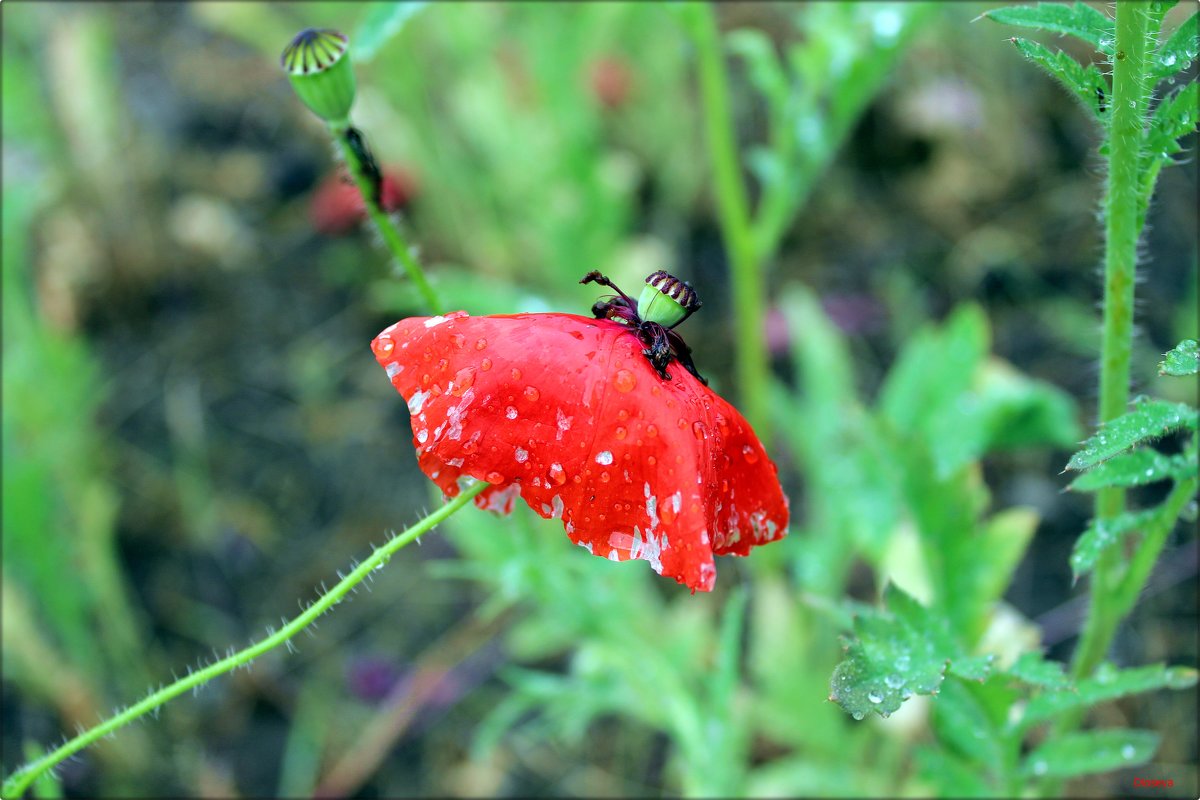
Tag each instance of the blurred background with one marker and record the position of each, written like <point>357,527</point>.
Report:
<point>196,435</point>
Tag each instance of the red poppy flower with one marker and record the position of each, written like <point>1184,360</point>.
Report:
<point>337,206</point>
<point>579,418</point>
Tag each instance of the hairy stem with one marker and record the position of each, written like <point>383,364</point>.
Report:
<point>392,237</point>
<point>16,784</point>
<point>1122,230</point>
<point>750,345</point>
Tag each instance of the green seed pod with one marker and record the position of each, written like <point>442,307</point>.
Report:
<point>666,300</point>
<point>318,64</point>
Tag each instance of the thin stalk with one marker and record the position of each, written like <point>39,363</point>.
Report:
<point>361,171</point>
<point>16,784</point>
<point>1122,231</point>
<point>750,345</point>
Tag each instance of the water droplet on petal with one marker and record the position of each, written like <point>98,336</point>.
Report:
<point>749,454</point>
<point>510,413</point>
<point>486,364</point>
<point>620,432</point>
<point>384,346</point>
<point>698,430</point>
<point>480,343</point>
<point>604,457</point>
<point>557,475</point>
<point>494,477</point>
<point>624,381</point>
<point>652,431</point>
<point>532,394</point>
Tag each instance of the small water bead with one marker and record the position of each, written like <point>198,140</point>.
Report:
<point>894,681</point>
<point>458,340</point>
<point>624,381</point>
<point>494,477</point>
<point>427,356</point>
<point>516,374</point>
<point>604,457</point>
<point>521,455</point>
<point>532,394</point>
<point>604,477</point>
<point>384,346</point>
<point>651,460</point>
<point>622,415</point>
<point>620,433</point>
<point>652,431</point>
<point>510,413</point>
<point>426,379</point>
<point>682,423</point>
<point>1128,752</point>
<point>749,454</point>
<point>858,715</point>
<point>443,364</point>
<point>699,430</point>
<point>557,475</point>
<point>480,343</point>
<point>486,364</point>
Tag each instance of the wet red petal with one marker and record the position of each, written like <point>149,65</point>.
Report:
<point>567,413</point>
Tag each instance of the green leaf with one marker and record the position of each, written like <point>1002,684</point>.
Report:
<point>765,70</point>
<point>895,654</point>
<point>381,22</point>
<point>963,725</point>
<point>1174,118</point>
<point>1107,684</point>
<point>1183,360</point>
<point>1005,537</point>
<point>1079,20</point>
<point>1085,82</point>
<point>1033,669</point>
<point>1177,53</point>
<point>1149,419</point>
<point>954,776</point>
<point>1135,468</point>
<point>1104,533</point>
<point>1089,752</point>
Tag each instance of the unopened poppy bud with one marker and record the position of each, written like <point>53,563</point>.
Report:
<point>318,65</point>
<point>666,300</point>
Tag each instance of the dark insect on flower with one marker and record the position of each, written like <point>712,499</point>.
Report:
<point>665,302</point>
<point>586,419</point>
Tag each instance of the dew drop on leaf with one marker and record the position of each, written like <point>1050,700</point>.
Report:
<point>1039,768</point>
<point>875,697</point>
<point>894,681</point>
<point>858,715</point>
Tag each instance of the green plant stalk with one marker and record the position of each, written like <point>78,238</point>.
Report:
<point>16,784</point>
<point>1122,231</point>
<point>383,223</point>
<point>750,345</point>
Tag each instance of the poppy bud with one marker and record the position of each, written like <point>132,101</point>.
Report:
<point>666,300</point>
<point>318,65</point>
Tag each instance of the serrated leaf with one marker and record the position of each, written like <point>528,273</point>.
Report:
<point>1173,118</point>
<point>1079,20</point>
<point>1178,52</point>
<point>895,654</point>
<point>1183,360</point>
<point>1033,669</point>
<point>1085,82</point>
<point>765,70</point>
<point>1149,419</point>
<point>1090,752</point>
<point>1107,684</point>
<point>1135,468</point>
<point>381,22</point>
<point>1102,534</point>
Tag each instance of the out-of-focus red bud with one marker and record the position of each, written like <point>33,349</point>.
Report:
<point>337,207</point>
<point>611,81</point>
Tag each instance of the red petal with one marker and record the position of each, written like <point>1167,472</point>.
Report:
<point>566,412</point>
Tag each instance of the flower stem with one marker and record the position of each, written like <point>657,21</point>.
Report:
<point>1122,231</point>
<point>16,784</point>
<point>366,177</point>
<point>750,344</point>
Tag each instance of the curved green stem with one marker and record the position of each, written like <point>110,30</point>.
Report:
<point>1122,231</point>
<point>392,237</point>
<point>16,784</point>
<point>750,345</point>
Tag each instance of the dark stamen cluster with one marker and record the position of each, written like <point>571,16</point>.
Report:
<point>661,344</point>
